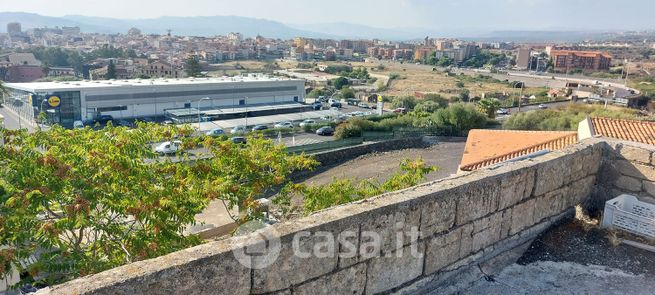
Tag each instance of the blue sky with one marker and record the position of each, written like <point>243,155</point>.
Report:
<point>436,14</point>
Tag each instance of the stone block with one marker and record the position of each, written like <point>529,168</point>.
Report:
<point>522,216</point>
<point>634,154</point>
<point>348,241</point>
<point>395,268</point>
<point>351,280</point>
<point>309,258</point>
<point>486,231</point>
<point>442,251</point>
<point>437,216</point>
<point>477,199</point>
<point>505,223</point>
<point>551,176</point>
<point>466,243</point>
<point>516,187</point>
<point>550,204</point>
<point>579,191</point>
<point>635,170</point>
<point>394,229</point>
<point>628,183</point>
<point>649,187</point>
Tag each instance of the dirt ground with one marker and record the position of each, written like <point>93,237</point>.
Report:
<point>575,258</point>
<point>446,156</point>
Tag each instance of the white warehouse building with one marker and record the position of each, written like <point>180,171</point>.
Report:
<point>67,102</point>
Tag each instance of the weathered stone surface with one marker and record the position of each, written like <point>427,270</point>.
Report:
<point>551,203</point>
<point>634,154</point>
<point>486,231</point>
<point>396,268</point>
<point>579,191</point>
<point>351,280</point>
<point>466,243</point>
<point>442,251</point>
<point>649,187</point>
<point>204,269</point>
<point>348,246</point>
<point>522,216</point>
<point>437,216</point>
<point>551,176</point>
<point>505,223</point>
<point>294,266</point>
<point>395,230</point>
<point>516,187</point>
<point>635,170</point>
<point>476,200</point>
<point>628,183</point>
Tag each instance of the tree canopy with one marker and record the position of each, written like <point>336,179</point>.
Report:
<point>192,67</point>
<point>88,200</point>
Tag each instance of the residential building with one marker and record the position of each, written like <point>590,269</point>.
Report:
<point>20,67</point>
<point>630,130</point>
<point>523,58</point>
<point>565,60</point>
<point>14,29</point>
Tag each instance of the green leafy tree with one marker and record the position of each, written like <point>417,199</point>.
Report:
<point>347,92</point>
<point>489,106</point>
<point>340,82</point>
<point>441,102</point>
<point>461,117</point>
<point>427,106</point>
<point>111,70</point>
<point>408,102</point>
<point>342,191</point>
<point>83,201</point>
<point>192,67</point>
<point>316,93</point>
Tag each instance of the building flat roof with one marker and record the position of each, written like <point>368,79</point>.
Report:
<point>86,84</point>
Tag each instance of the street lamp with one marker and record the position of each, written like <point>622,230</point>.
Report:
<point>204,98</point>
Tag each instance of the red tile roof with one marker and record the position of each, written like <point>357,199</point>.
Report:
<point>631,130</point>
<point>488,147</point>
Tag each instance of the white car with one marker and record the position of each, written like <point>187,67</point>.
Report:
<point>169,147</point>
<point>215,132</point>
<point>286,124</point>
<point>307,123</point>
<point>239,129</point>
<point>543,106</point>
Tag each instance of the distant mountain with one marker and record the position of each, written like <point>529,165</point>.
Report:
<point>356,31</point>
<point>251,27</point>
<point>188,26</point>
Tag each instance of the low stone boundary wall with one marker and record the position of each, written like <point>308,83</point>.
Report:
<point>431,237</point>
<point>627,168</point>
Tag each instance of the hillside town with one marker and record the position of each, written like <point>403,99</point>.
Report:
<point>510,162</point>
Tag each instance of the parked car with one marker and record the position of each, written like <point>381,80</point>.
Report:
<point>335,104</point>
<point>78,124</point>
<point>215,132</point>
<point>239,140</point>
<point>364,105</point>
<point>167,122</point>
<point>125,123</point>
<point>285,124</point>
<point>502,111</point>
<point>317,106</point>
<point>259,128</point>
<point>543,106</point>
<point>240,129</point>
<point>104,119</point>
<point>307,122</point>
<point>400,111</point>
<point>169,147</point>
<point>325,131</point>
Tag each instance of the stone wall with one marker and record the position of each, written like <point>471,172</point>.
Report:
<point>341,155</point>
<point>627,168</point>
<point>432,237</point>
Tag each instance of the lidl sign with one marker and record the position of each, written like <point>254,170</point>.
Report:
<point>54,101</point>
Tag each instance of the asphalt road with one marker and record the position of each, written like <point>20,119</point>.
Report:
<point>12,121</point>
